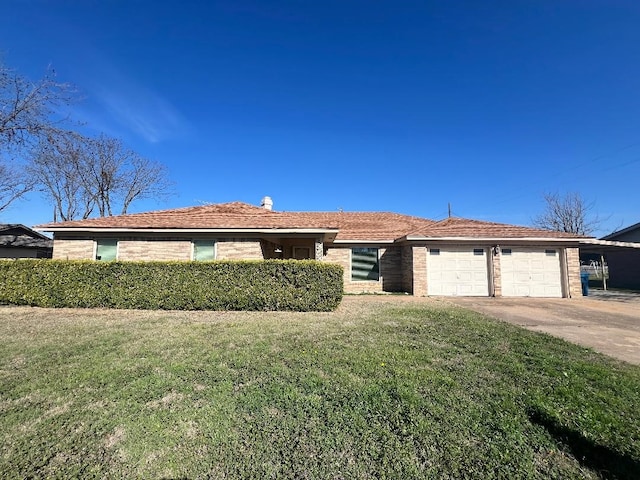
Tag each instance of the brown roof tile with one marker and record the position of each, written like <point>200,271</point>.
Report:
<point>464,227</point>
<point>352,225</point>
<point>377,226</point>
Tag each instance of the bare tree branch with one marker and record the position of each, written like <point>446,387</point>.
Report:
<point>14,183</point>
<point>27,116</point>
<point>569,213</point>
<point>143,178</point>
<point>59,165</point>
<point>81,175</point>
<point>27,109</point>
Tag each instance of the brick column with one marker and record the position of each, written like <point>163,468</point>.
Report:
<point>419,271</point>
<point>497,274</point>
<point>573,273</point>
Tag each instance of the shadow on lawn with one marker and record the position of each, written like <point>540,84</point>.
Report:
<point>607,462</point>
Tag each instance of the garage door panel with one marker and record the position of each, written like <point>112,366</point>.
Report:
<point>458,271</point>
<point>531,272</point>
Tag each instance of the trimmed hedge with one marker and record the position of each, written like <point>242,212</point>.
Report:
<point>297,285</point>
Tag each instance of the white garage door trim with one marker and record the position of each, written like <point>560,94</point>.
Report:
<point>458,271</point>
<point>531,272</point>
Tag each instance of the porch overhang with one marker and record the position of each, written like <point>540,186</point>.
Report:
<point>603,246</point>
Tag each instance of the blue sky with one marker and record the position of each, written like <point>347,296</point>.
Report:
<point>362,105</point>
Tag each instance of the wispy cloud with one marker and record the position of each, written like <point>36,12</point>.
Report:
<point>117,103</point>
<point>142,111</point>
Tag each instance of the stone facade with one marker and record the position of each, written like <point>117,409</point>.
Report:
<point>154,250</point>
<point>403,268</point>
<point>496,274</point>
<point>420,287</point>
<point>76,249</point>
<point>406,264</point>
<point>342,257</point>
<point>573,271</point>
<point>239,249</point>
<point>159,249</point>
<point>390,267</point>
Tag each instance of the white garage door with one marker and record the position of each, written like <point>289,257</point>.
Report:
<point>530,272</point>
<point>457,271</point>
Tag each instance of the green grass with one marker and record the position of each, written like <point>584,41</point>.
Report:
<point>381,388</point>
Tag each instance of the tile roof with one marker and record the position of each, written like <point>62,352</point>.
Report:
<point>377,226</point>
<point>352,225</point>
<point>464,227</point>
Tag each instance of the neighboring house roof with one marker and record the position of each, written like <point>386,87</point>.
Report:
<point>619,233</point>
<point>627,239</point>
<point>18,235</point>
<point>343,226</point>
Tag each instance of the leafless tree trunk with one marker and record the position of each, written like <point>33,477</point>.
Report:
<point>569,213</point>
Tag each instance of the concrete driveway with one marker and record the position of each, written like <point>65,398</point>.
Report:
<point>608,322</point>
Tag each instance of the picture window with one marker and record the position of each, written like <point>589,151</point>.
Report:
<point>365,264</point>
<point>204,250</point>
<point>106,249</point>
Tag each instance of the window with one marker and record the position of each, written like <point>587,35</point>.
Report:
<point>506,251</point>
<point>204,250</point>
<point>106,249</point>
<point>364,264</point>
<point>550,253</point>
<point>478,251</point>
<point>434,251</point>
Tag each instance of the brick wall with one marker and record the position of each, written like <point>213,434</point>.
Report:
<point>340,256</point>
<point>419,254</point>
<point>80,249</point>
<point>239,249</point>
<point>496,273</point>
<point>407,268</point>
<point>573,269</point>
<point>130,249</point>
<point>152,249</point>
<point>390,270</point>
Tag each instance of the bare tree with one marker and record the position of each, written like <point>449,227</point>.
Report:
<point>81,175</point>
<point>569,213</point>
<point>59,166</point>
<point>144,178</point>
<point>28,109</point>
<point>28,113</point>
<point>120,176</point>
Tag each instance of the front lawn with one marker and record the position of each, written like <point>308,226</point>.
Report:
<point>382,388</point>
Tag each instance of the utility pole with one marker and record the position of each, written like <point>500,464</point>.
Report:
<point>449,204</point>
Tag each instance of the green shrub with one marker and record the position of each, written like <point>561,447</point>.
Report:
<point>295,285</point>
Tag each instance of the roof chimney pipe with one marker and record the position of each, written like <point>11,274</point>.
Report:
<point>266,203</point>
